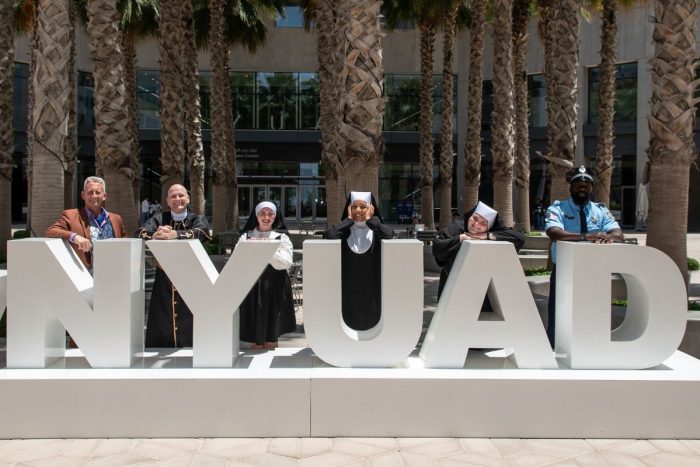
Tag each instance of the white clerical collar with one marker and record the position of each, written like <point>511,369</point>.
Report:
<point>360,238</point>
<point>179,217</point>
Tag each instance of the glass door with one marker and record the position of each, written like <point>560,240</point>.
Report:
<point>291,200</point>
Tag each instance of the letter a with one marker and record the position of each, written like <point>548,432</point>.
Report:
<point>398,330</point>
<point>456,326</point>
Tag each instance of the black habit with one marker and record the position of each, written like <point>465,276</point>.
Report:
<point>361,274</point>
<point>446,247</point>
<point>169,319</point>
<point>267,312</point>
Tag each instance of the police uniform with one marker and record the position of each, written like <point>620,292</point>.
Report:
<point>567,215</point>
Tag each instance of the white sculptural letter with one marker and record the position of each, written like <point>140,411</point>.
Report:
<point>50,291</point>
<point>455,326</point>
<point>655,320</point>
<point>398,330</point>
<point>3,291</point>
<point>213,298</point>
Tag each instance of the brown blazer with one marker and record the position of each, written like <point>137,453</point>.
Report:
<point>76,221</point>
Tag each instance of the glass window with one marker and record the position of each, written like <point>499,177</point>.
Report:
<point>403,102</point>
<point>148,94</point>
<point>399,191</point>
<point>20,95</point>
<point>86,100</point>
<point>625,93</point>
<point>277,96</point>
<point>537,91</point>
<point>293,18</point>
<point>243,96</point>
<point>309,101</point>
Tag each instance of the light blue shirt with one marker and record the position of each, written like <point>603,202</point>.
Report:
<point>565,214</point>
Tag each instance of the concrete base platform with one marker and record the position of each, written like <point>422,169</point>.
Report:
<point>290,393</point>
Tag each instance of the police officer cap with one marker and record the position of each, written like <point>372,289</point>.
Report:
<point>581,174</point>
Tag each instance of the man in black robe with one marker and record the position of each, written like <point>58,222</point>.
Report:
<point>361,233</point>
<point>481,224</point>
<point>169,319</point>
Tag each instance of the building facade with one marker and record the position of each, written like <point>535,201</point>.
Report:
<point>276,112</point>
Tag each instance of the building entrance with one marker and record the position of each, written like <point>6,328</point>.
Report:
<point>297,202</point>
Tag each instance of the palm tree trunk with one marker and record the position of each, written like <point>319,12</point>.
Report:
<point>71,144</point>
<point>172,124</point>
<point>31,140</point>
<point>7,61</point>
<point>49,112</point>
<point>219,83</point>
<point>363,112</point>
<point>131,97</point>
<point>606,106</point>
<point>426,150</point>
<point>671,125</point>
<point>446,108</point>
<point>331,21</point>
<point>563,39</point>
<point>195,149</point>
<point>472,149</point>
<point>502,116</point>
<point>112,144</point>
<point>521,16</point>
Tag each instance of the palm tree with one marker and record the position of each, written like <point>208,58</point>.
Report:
<point>606,107</point>
<point>472,148</point>
<point>331,19</point>
<point>112,143</point>
<point>221,24</point>
<point>70,153</point>
<point>502,116</point>
<point>521,16</point>
<point>195,147</point>
<point>138,19</point>
<point>49,112</point>
<point>363,112</point>
<point>446,108</point>
<point>7,61</point>
<point>562,25</point>
<point>172,149</point>
<point>671,125</point>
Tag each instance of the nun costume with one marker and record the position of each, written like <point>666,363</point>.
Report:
<point>479,223</point>
<point>361,231</point>
<point>267,312</point>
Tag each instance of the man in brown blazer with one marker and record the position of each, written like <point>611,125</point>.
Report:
<point>81,227</point>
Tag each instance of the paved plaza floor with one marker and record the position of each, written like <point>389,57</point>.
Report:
<point>361,451</point>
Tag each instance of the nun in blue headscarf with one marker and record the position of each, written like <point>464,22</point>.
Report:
<point>361,230</point>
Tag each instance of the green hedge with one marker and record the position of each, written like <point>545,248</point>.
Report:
<point>693,264</point>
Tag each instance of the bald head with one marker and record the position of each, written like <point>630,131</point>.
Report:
<point>178,199</point>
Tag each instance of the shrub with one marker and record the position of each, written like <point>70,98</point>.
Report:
<point>537,272</point>
<point>693,264</point>
<point>21,234</point>
<point>693,305</point>
<point>619,302</point>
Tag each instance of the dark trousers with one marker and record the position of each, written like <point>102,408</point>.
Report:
<point>551,305</point>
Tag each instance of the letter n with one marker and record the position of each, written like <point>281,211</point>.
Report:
<point>50,291</point>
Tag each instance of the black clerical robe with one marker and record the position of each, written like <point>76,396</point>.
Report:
<point>169,319</point>
<point>361,274</point>
<point>446,247</point>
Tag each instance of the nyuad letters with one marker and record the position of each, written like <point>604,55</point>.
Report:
<point>48,291</point>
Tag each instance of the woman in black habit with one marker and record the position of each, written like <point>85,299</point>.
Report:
<point>361,230</point>
<point>267,312</point>
<point>479,223</point>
